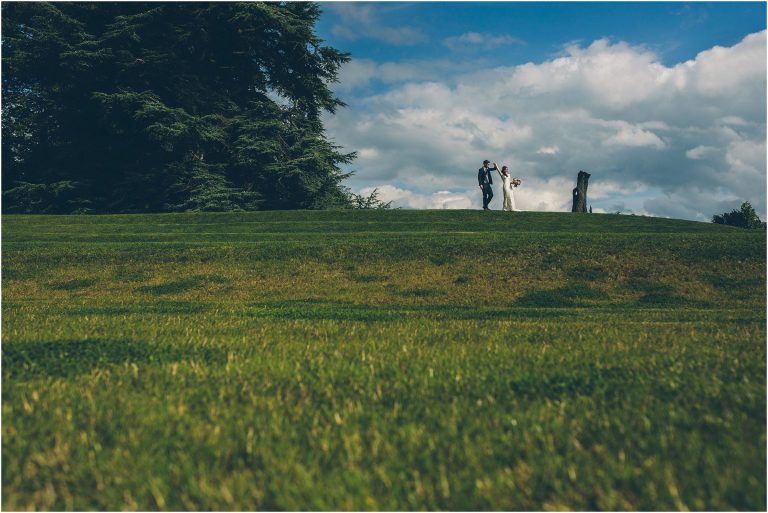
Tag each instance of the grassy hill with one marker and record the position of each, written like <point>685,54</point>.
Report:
<point>382,360</point>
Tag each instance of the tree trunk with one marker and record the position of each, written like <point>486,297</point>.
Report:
<point>580,193</point>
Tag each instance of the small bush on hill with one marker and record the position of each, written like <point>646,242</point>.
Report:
<point>745,217</point>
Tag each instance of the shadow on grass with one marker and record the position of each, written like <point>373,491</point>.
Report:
<point>74,284</point>
<point>63,358</point>
<point>26,272</point>
<point>736,286</point>
<point>177,286</point>
<point>571,295</point>
<point>580,295</point>
<point>662,295</point>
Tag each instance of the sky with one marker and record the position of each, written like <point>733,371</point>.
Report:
<point>664,103</point>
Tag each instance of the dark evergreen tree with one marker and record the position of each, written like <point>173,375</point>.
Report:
<point>142,107</point>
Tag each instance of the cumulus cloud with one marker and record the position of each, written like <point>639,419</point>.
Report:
<point>680,141</point>
<point>631,135</point>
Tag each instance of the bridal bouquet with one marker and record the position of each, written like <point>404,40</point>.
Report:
<point>516,181</point>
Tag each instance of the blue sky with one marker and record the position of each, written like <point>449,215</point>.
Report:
<point>678,31</point>
<point>664,103</point>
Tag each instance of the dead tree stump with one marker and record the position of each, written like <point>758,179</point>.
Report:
<point>580,193</point>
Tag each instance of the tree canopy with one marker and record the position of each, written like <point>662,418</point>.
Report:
<point>745,217</point>
<point>148,107</point>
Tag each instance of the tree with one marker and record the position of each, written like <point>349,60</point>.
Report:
<point>371,201</point>
<point>580,192</point>
<point>145,107</point>
<point>745,217</point>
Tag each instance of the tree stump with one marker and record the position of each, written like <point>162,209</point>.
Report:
<point>580,193</point>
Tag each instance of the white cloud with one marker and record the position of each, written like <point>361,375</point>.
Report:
<point>612,75</point>
<point>733,120</point>
<point>404,198</point>
<point>356,73</point>
<point>553,194</point>
<point>367,153</point>
<point>746,165</point>
<point>723,70</point>
<point>359,73</point>
<point>485,41</point>
<point>358,20</point>
<point>629,135</point>
<point>700,152</point>
<point>679,141</point>
<point>699,203</point>
<point>606,189</point>
<point>548,150</point>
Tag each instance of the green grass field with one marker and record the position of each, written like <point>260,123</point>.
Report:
<point>382,360</point>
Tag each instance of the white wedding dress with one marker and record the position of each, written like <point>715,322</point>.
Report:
<point>509,195</point>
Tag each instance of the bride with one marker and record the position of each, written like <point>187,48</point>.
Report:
<point>507,185</point>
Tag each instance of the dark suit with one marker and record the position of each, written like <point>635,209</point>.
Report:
<point>485,180</point>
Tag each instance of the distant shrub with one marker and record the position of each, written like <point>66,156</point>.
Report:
<point>745,217</point>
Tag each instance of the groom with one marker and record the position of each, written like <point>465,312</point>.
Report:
<point>485,180</point>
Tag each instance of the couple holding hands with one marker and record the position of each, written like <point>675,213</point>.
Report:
<point>507,182</point>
